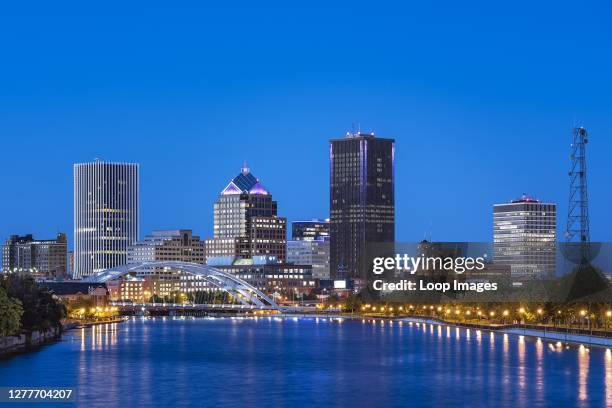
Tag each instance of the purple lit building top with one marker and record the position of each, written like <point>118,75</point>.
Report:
<point>245,183</point>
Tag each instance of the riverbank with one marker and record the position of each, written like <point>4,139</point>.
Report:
<point>564,335</point>
<point>28,341</point>
<point>31,341</point>
<point>80,324</point>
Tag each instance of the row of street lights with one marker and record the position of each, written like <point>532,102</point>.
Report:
<point>468,313</point>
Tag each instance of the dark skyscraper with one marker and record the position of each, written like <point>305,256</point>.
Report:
<point>362,201</point>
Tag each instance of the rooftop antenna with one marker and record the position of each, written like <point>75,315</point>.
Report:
<point>245,168</point>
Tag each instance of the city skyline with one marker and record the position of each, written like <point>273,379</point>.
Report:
<point>208,234</point>
<point>301,204</point>
<point>478,117</point>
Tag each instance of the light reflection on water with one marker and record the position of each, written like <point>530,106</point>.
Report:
<point>312,361</point>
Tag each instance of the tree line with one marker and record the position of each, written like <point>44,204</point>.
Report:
<point>26,306</point>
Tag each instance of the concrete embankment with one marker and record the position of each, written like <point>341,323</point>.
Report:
<point>584,339</point>
<point>563,335</point>
<point>23,342</point>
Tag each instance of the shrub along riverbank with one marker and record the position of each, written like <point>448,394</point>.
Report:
<point>29,315</point>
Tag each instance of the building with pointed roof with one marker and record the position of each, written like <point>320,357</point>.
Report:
<point>246,223</point>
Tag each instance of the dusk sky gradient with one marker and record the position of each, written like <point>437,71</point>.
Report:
<point>480,97</point>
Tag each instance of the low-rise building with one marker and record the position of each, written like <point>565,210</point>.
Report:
<point>270,276</point>
<point>168,245</point>
<point>313,252</point>
<point>70,292</point>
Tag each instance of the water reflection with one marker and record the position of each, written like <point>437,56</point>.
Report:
<point>583,372</point>
<point>608,376</point>
<point>521,363</point>
<point>367,362</point>
<point>539,380</point>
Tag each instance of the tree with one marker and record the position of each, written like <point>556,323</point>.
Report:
<point>352,303</point>
<point>10,314</point>
<point>78,304</point>
<point>40,310</point>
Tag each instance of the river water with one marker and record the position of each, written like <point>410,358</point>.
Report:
<point>278,362</point>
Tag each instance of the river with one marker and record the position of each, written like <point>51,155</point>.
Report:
<point>277,362</point>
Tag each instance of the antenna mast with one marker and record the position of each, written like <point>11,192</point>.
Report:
<point>578,209</point>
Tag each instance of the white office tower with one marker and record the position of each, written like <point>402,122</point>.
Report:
<point>106,215</point>
<point>524,237</point>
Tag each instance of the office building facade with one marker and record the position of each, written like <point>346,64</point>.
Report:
<point>106,215</point>
<point>313,230</point>
<point>524,237</point>
<point>246,223</point>
<point>45,259</point>
<point>168,245</point>
<point>270,276</point>
<point>310,252</point>
<point>362,200</point>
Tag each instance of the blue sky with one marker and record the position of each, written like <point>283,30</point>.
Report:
<point>480,97</point>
